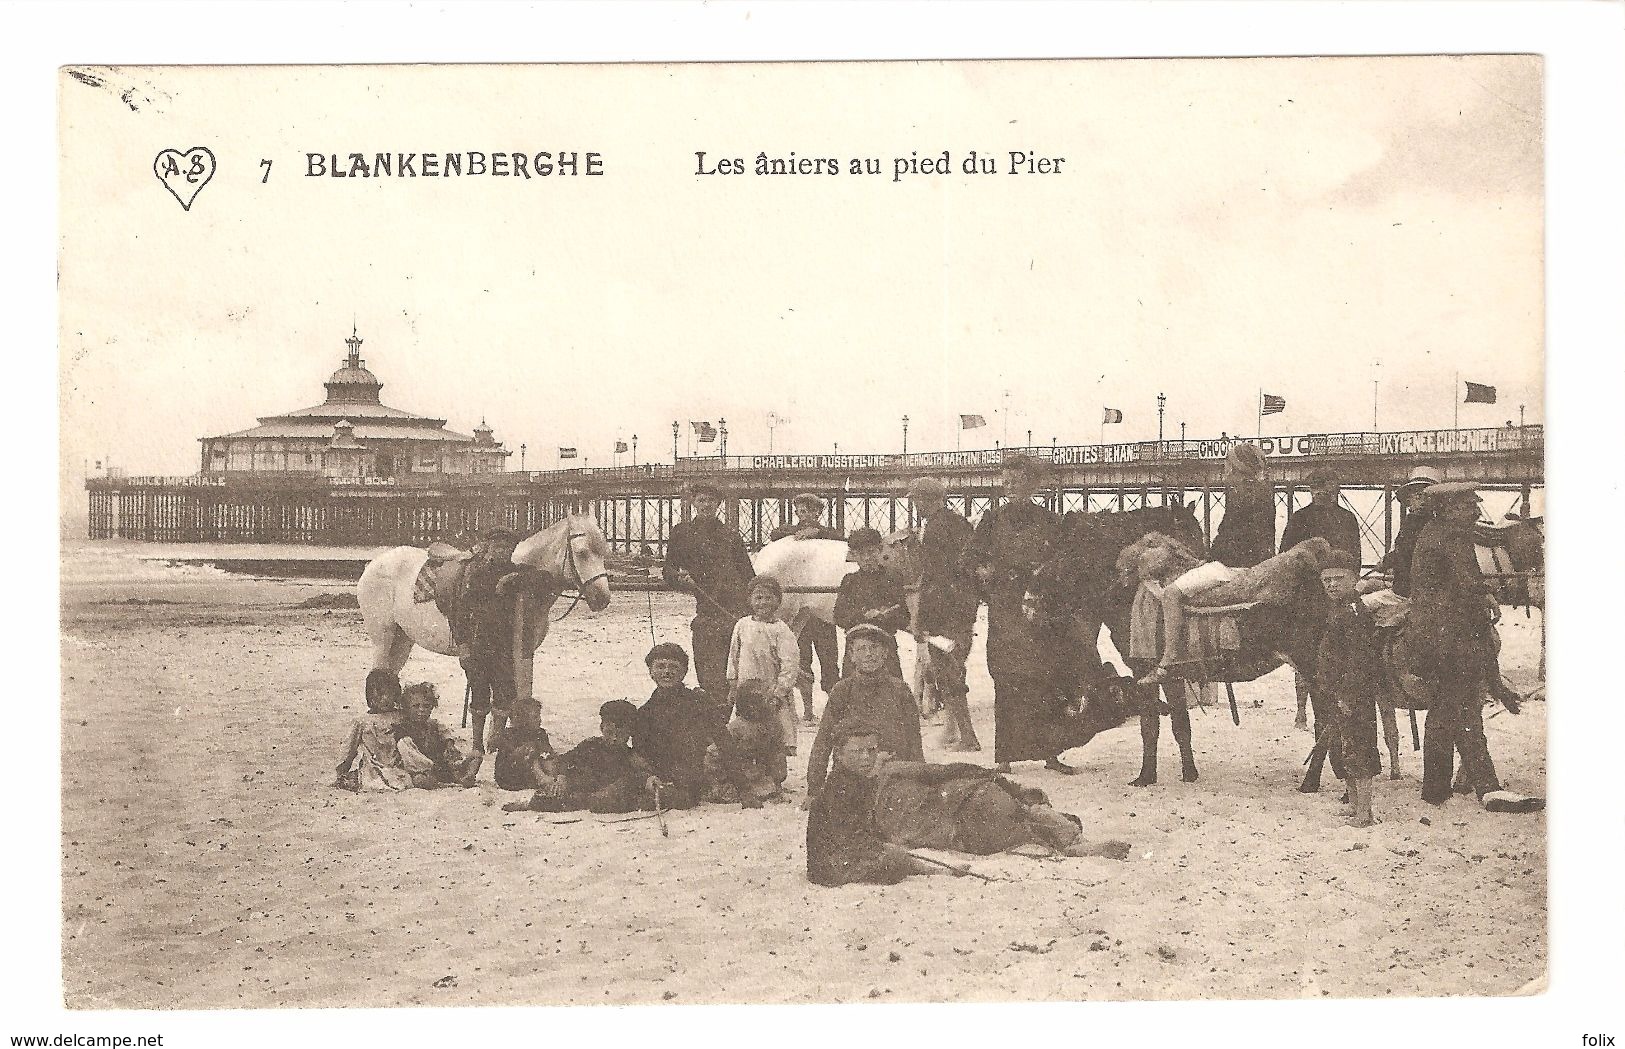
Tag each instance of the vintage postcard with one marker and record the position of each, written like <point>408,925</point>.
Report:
<point>932,531</point>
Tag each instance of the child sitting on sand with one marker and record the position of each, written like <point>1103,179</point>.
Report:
<point>370,760</point>
<point>426,750</point>
<point>521,748</point>
<point>599,774</point>
<point>758,743</point>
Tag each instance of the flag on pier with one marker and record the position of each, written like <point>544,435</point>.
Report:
<point>971,422</point>
<point>1272,405</point>
<point>704,432</point>
<point>1113,415</point>
<point>1478,393</point>
<point>567,453</point>
<point>620,446</point>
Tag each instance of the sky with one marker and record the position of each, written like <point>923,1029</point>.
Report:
<point>1304,227</point>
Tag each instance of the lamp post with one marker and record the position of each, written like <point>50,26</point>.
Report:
<point>1162,402</point>
<point>521,457</point>
<point>1029,438</point>
<point>772,421</point>
<point>674,444</point>
<point>722,443</point>
<point>905,435</point>
<point>634,449</point>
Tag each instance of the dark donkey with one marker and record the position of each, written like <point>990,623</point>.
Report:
<point>1081,590</point>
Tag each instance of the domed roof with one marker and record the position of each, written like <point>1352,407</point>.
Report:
<point>356,374</point>
<point>353,382</point>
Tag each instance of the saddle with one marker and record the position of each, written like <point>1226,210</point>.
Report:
<point>442,578</point>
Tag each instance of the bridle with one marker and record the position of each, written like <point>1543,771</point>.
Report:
<point>575,585</point>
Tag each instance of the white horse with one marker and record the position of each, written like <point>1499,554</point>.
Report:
<point>566,558</point>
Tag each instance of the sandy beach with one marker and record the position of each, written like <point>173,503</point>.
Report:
<point>208,863</point>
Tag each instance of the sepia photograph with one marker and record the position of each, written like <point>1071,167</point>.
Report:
<point>750,533</point>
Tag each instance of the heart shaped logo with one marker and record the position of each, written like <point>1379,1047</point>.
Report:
<point>184,174</point>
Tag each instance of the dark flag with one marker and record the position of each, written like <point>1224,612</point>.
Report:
<point>620,446</point>
<point>971,422</point>
<point>1478,393</point>
<point>1273,405</point>
<point>704,432</point>
<point>1113,415</point>
<point>567,453</point>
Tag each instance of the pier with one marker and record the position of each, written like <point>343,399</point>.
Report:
<point>637,505</point>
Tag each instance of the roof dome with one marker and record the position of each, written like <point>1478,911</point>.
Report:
<point>353,382</point>
<point>356,374</point>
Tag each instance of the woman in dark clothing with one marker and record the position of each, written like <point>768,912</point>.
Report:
<point>1246,535</point>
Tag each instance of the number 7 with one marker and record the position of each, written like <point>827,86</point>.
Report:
<point>266,164</point>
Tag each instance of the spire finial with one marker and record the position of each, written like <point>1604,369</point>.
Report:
<point>354,342</point>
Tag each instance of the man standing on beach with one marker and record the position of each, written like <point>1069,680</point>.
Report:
<point>710,556</point>
<point>487,615</point>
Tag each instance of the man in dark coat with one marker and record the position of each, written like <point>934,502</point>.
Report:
<point>1413,500</point>
<point>1323,517</point>
<point>1451,615</point>
<point>946,619</point>
<point>712,556</point>
<point>487,625</point>
<point>817,637</point>
<point>1011,541</point>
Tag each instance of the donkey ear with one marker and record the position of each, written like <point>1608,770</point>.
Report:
<point>1190,507</point>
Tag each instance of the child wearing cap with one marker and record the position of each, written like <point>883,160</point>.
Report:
<point>873,595</point>
<point>872,693</point>
<point>1349,674</point>
<point>764,648</point>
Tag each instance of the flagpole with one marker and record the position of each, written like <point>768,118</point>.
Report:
<point>1261,413</point>
<point>959,434</point>
<point>1455,400</point>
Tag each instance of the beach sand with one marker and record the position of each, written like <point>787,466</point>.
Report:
<point>208,863</point>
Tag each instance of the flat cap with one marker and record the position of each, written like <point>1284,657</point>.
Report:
<point>1421,475</point>
<point>863,537</point>
<point>870,632</point>
<point>1023,461</point>
<point>1453,492</point>
<point>666,650</point>
<point>927,488</point>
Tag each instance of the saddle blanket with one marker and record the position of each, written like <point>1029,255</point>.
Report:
<point>423,589</point>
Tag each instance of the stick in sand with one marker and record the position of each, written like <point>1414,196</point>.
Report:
<point>660,815</point>
<point>951,867</point>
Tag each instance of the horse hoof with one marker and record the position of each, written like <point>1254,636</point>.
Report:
<point>1190,776</point>
<point>1144,780</point>
<point>1307,787</point>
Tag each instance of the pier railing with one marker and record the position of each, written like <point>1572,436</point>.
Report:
<point>1527,439</point>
